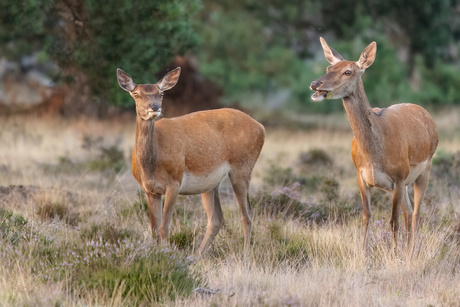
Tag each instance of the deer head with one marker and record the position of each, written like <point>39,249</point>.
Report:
<point>148,97</point>
<point>342,76</point>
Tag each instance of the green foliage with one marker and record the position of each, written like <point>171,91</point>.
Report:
<point>268,46</point>
<point>240,55</point>
<point>24,26</point>
<point>109,158</point>
<point>143,274</point>
<point>13,227</point>
<point>293,250</point>
<point>138,37</point>
<point>96,38</point>
<point>183,240</point>
<point>154,277</point>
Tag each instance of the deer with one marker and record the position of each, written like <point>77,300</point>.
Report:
<point>391,148</point>
<point>191,154</point>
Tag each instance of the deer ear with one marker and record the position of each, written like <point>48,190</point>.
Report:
<point>125,81</point>
<point>367,57</point>
<point>330,54</point>
<point>169,80</point>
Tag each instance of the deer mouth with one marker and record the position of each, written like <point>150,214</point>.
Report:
<point>151,114</point>
<point>320,95</point>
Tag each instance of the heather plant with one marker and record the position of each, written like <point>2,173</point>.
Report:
<point>13,227</point>
<point>107,232</point>
<point>149,274</point>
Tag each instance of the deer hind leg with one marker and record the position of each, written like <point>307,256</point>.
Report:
<point>365,192</point>
<point>168,210</point>
<point>154,205</point>
<point>240,183</point>
<point>408,210</point>
<point>420,185</point>
<point>398,194</point>
<point>211,203</point>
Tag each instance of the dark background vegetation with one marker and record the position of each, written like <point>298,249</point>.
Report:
<point>259,53</point>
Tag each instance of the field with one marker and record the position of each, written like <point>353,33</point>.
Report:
<point>74,228</point>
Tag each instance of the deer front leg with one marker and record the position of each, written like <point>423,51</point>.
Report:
<point>211,203</point>
<point>365,192</point>
<point>154,205</point>
<point>168,210</point>
<point>398,191</point>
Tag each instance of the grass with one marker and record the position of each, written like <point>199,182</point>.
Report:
<point>74,229</point>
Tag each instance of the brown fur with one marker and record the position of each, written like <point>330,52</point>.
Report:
<point>391,147</point>
<point>200,147</point>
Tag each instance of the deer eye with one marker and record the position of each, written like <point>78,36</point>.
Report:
<point>162,94</point>
<point>347,73</point>
<point>136,95</point>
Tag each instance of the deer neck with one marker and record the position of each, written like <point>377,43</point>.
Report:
<point>362,120</point>
<point>146,145</point>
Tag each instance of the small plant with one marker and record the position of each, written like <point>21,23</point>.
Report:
<point>443,159</point>
<point>139,207</point>
<point>330,189</point>
<point>107,232</point>
<point>315,158</point>
<point>109,158</point>
<point>183,240</point>
<point>59,211</point>
<point>293,251</point>
<point>13,227</point>
<point>278,176</point>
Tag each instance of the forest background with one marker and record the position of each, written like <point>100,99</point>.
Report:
<point>257,53</point>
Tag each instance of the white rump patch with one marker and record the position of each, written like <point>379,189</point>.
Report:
<point>197,184</point>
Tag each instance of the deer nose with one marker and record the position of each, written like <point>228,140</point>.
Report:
<point>154,107</point>
<point>315,84</point>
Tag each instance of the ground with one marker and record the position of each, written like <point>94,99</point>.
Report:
<point>74,229</point>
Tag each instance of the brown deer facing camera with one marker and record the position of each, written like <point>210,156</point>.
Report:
<point>392,147</point>
<point>189,155</point>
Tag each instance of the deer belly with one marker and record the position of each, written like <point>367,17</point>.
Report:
<point>374,177</point>
<point>200,183</point>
